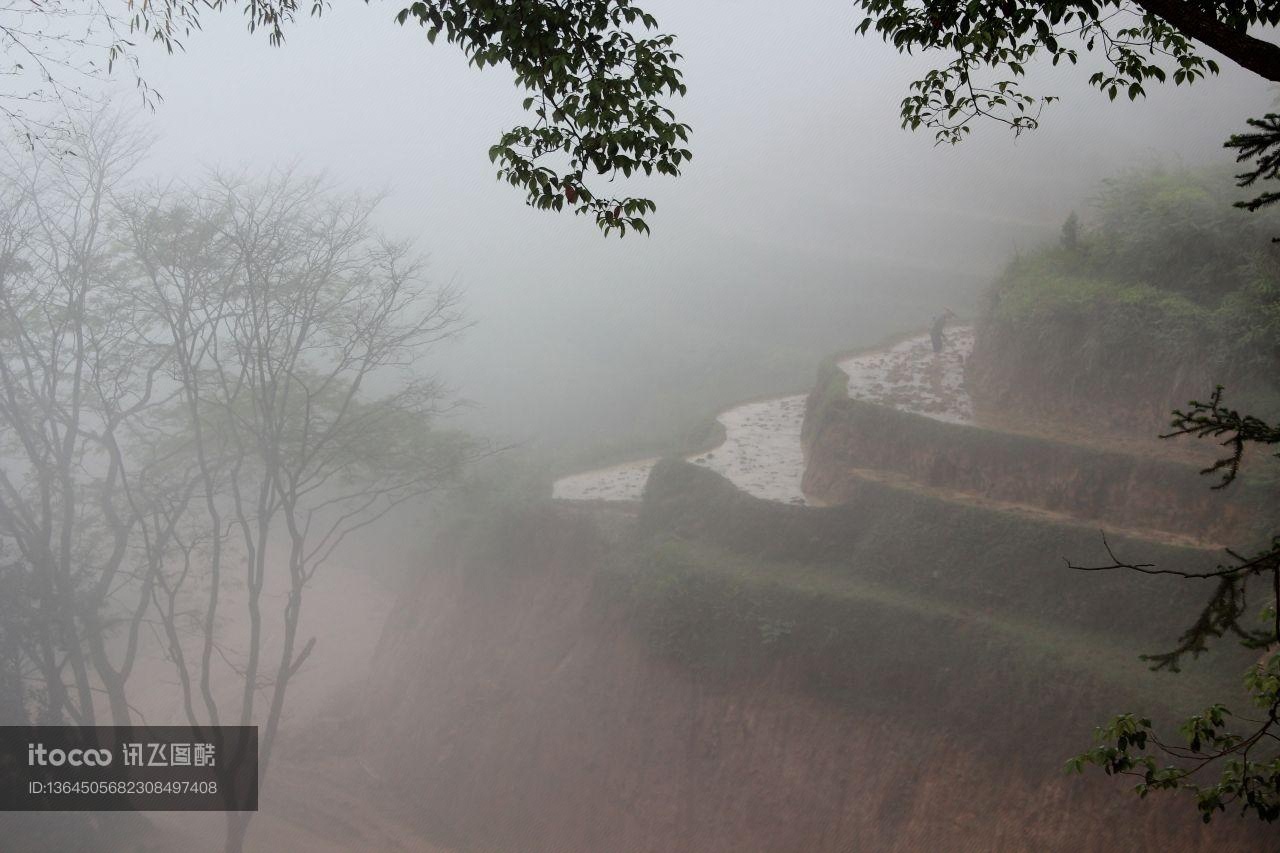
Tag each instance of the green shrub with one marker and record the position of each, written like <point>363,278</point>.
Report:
<point>1168,279</point>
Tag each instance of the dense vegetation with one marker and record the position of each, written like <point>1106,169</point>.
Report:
<point>1166,279</point>
<point>1172,291</point>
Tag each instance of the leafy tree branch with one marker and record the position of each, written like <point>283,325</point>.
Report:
<point>1248,759</point>
<point>597,73</point>
<point>986,46</point>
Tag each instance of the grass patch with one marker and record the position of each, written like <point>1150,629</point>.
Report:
<point>1030,690</point>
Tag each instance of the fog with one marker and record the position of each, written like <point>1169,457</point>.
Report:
<point>745,534</point>
<point>807,221</point>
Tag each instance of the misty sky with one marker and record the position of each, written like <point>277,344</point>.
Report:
<point>805,201</point>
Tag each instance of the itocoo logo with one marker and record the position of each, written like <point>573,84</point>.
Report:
<point>37,755</point>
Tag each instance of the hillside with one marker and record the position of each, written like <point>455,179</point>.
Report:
<point>844,623</point>
<point>595,682</point>
<point>1168,291</point>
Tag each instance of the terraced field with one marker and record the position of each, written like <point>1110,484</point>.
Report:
<point>762,452</point>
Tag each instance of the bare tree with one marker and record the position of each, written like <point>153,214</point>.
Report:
<point>73,378</point>
<point>296,335</point>
<point>54,54</point>
<point>203,392</point>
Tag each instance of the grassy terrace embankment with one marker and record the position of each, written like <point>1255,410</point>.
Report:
<point>1104,486</point>
<point>887,547</point>
<point>728,673</point>
<point>906,667</point>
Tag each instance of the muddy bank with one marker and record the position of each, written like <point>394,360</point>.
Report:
<point>1089,484</point>
<point>1081,374</point>
<point>545,695</point>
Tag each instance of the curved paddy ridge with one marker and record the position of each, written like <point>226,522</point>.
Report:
<point>762,452</point>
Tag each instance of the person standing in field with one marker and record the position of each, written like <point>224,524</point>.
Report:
<point>935,333</point>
